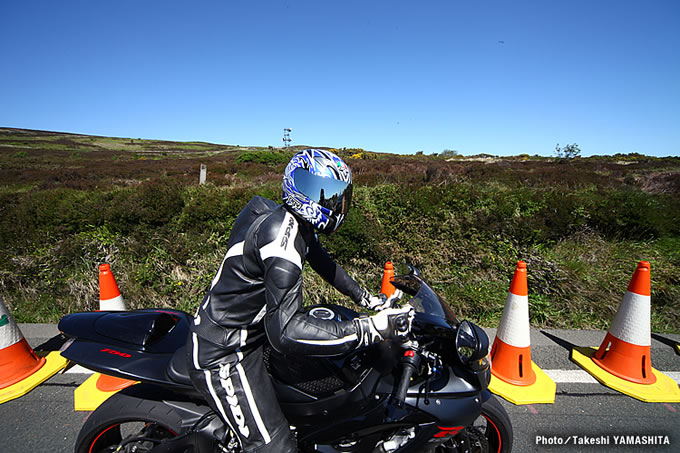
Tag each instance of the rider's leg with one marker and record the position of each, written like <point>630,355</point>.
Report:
<point>238,388</point>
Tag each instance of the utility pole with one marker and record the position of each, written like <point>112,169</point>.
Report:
<point>286,137</point>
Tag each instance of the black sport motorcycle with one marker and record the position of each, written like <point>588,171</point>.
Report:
<point>428,394</point>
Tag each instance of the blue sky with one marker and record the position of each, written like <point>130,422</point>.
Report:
<point>497,77</point>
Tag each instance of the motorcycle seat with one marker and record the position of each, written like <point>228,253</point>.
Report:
<point>178,371</point>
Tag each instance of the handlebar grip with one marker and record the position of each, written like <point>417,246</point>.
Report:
<point>410,362</point>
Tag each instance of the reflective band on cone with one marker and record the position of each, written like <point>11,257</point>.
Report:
<point>513,375</point>
<point>116,304</point>
<point>387,287</point>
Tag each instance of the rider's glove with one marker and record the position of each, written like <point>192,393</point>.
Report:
<point>379,301</point>
<point>391,323</point>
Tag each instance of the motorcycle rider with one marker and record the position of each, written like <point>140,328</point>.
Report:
<point>256,297</point>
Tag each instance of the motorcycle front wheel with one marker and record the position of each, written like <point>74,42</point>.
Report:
<point>491,432</point>
<point>496,426</point>
<point>124,423</point>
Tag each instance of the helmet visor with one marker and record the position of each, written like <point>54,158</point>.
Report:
<point>327,192</point>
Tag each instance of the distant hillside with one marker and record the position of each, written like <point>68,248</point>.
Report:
<point>45,140</point>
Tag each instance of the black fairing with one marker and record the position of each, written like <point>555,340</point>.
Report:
<point>137,345</point>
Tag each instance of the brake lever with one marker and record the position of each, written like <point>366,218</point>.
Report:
<point>426,400</point>
<point>433,365</point>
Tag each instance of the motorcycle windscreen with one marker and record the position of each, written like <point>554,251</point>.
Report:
<point>424,299</point>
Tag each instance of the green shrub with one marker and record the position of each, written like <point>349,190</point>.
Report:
<point>357,238</point>
<point>213,208</point>
<point>151,204</point>
<point>634,214</point>
<point>264,157</point>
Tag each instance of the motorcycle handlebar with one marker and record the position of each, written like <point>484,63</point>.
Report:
<point>410,362</point>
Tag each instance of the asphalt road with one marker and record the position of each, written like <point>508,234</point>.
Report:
<point>44,419</point>
<point>586,416</point>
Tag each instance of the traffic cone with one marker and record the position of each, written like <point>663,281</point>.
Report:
<point>387,287</point>
<point>626,349</point>
<point>514,376</point>
<point>110,298</point>
<point>99,387</point>
<point>21,369</point>
<point>623,360</point>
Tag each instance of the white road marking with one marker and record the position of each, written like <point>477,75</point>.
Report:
<point>77,369</point>
<point>581,377</point>
<point>570,377</point>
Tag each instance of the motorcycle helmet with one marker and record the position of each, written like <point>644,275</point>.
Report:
<point>317,186</point>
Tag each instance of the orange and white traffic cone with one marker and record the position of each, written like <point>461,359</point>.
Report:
<point>387,287</point>
<point>626,349</point>
<point>623,360</point>
<point>99,387</point>
<point>514,376</point>
<point>511,351</point>
<point>21,369</point>
<point>110,298</point>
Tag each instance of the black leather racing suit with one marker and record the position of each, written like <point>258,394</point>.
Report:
<point>257,296</point>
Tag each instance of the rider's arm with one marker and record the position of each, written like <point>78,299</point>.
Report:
<point>324,265</point>
<point>289,329</point>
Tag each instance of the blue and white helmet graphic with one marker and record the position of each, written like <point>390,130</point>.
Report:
<point>317,185</point>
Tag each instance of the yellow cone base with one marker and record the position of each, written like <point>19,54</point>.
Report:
<point>53,364</point>
<point>664,390</point>
<point>87,397</point>
<point>540,392</point>
<point>677,348</point>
